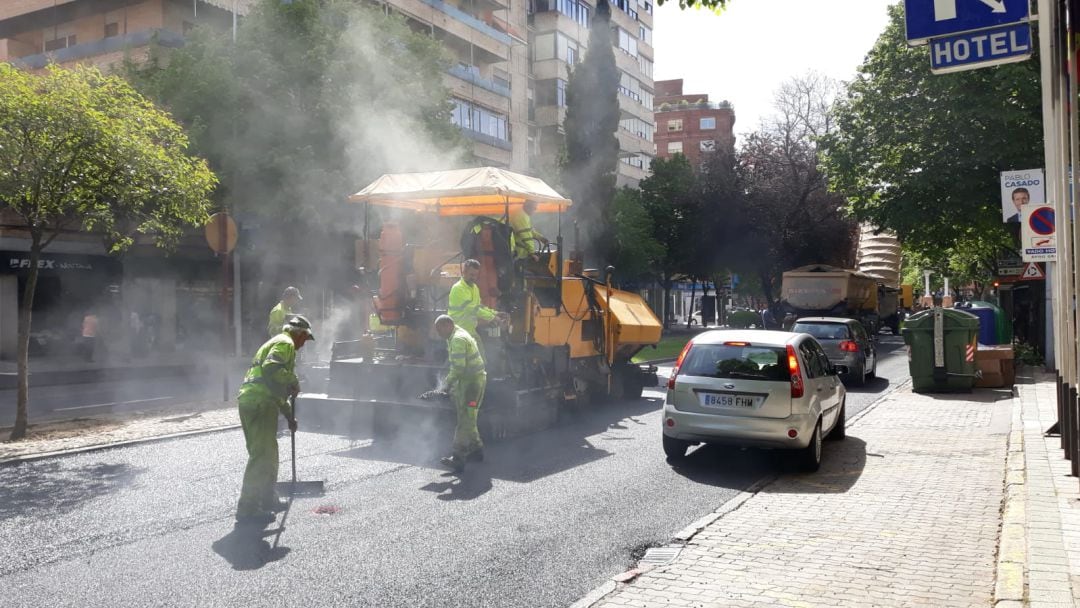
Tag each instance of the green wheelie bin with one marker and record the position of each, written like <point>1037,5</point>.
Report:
<point>941,350</point>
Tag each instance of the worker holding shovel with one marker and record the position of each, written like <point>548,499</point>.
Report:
<point>268,388</point>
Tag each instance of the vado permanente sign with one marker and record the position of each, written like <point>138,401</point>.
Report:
<point>969,34</point>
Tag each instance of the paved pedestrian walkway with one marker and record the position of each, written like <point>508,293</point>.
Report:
<point>910,510</point>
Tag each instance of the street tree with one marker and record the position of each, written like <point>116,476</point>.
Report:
<point>919,154</point>
<point>635,250</point>
<point>671,197</point>
<point>787,217</point>
<point>84,151</point>
<point>313,100</point>
<point>592,149</point>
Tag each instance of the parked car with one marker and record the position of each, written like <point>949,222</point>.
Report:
<point>847,343</point>
<point>754,388</point>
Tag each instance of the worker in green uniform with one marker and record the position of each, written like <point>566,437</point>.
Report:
<point>465,383</point>
<point>270,382</point>
<point>525,236</point>
<point>289,299</point>
<point>464,305</point>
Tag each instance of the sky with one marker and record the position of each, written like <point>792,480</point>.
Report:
<point>744,54</point>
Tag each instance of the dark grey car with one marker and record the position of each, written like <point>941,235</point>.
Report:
<point>846,343</point>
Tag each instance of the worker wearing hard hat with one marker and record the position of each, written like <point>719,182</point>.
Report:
<point>464,305</point>
<point>289,299</point>
<point>525,236</point>
<point>465,383</point>
<point>270,382</point>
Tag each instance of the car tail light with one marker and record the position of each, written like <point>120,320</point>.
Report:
<point>678,364</point>
<point>796,373</point>
<point>736,344</point>
<point>849,347</point>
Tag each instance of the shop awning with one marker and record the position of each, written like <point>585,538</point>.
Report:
<point>481,191</point>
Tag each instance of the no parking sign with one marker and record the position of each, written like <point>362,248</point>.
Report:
<point>1038,234</point>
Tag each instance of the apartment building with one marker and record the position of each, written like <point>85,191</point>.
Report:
<point>558,39</point>
<point>690,124</point>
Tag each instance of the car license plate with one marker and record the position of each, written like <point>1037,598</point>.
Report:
<point>728,400</point>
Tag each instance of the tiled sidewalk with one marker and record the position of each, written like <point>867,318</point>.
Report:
<point>905,512</point>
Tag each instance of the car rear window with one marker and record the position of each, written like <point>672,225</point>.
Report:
<point>823,331</point>
<point>728,361</point>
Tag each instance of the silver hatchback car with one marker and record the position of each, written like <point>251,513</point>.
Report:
<point>751,388</point>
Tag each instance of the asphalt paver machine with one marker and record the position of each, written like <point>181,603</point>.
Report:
<point>570,338</point>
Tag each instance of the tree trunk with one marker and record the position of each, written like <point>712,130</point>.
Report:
<point>23,356</point>
<point>666,283</point>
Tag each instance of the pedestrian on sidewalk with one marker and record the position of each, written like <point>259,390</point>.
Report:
<point>465,383</point>
<point>268,387</point>
<point>89,334</point>
<point>289,299</point>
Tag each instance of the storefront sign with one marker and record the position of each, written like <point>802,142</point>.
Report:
<point>19,261</point>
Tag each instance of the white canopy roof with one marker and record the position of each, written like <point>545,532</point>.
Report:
<point>481,191</point>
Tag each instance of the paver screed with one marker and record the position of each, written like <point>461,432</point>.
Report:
<point>905,511</point>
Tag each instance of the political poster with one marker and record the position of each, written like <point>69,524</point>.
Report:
<point>1019,189</point>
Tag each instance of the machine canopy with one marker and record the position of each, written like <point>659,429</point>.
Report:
<point>481,191</point>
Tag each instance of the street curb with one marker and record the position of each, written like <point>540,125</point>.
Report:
<point>687,534</point>
<point>1010,575</point>
<point>108,446</point>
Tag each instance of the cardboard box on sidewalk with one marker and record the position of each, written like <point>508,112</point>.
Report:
<point>996,365</point>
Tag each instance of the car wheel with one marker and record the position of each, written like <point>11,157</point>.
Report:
<point>860,378</point>
<point>675,449</point>
<point>873,370</point>
<point>810,456</point>
<point>839,430</point>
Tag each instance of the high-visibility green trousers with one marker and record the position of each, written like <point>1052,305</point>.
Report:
<point>258,418</point>
<point>467,396</point>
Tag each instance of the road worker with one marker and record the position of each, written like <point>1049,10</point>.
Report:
<point>465,307</point>
<point>289,299</point>
<point>268,387</point>
<point>465,383</point>
<point>525,236</point>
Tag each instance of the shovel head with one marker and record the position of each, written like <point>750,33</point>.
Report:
<point>300,488</point>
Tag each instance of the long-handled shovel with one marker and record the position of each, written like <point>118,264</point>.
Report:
<point>296,488</point>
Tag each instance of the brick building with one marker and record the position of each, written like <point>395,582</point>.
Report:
<point>690,124</point>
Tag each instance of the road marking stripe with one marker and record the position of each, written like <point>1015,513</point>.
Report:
<point>86,407</point>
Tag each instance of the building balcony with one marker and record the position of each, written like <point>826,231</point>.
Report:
<point>452,21</point>
<point>487,140</point>
<point>104,46</point>
<point>630,106</point>
<point>699,105</point>
<point>634,143</point>
<point>471,77</point>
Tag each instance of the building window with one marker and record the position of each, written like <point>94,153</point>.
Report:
<point>638,127</point>
<point>480,120</point>
<point>560,92</point>
<point>627,7</point>
<point>674,125</point>
<point>62,42</point>
<point>112,30</point>
<point>708,124</point>
<point>645,34</point>
<point>645,6</point>
<point>626,42</point>
<point>576,10</point>
<point>646,65</point>
<point>707,145</point>
<point>674,147</point>
<point>566,49</point>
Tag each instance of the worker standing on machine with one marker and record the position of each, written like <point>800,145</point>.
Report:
<point>465,384</point>
<point>465,307</point>
<point>525,236</point>
<point>289,299</point>
<point>268,385</point>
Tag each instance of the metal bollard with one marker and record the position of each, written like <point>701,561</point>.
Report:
<point>1060,409</point>
<point>1074,433</point>
<point>1067,423</point>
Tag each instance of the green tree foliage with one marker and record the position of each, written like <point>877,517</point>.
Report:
<point>315,99</point>
<point>83,151</point>
<point>592,149</point>
<point>920,154</point>
<point>715,5</point>
<point>635,251</point>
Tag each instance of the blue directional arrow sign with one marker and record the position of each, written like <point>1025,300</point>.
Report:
<point>927,19</point>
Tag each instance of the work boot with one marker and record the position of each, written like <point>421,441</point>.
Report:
<point>476,455</point>
<point>455,463</point>
<point>262,518</point>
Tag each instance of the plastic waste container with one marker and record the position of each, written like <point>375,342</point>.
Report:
<point>941,350</point>
<point>988,325</point>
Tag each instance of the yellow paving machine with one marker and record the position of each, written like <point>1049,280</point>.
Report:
<point>571,333</point>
